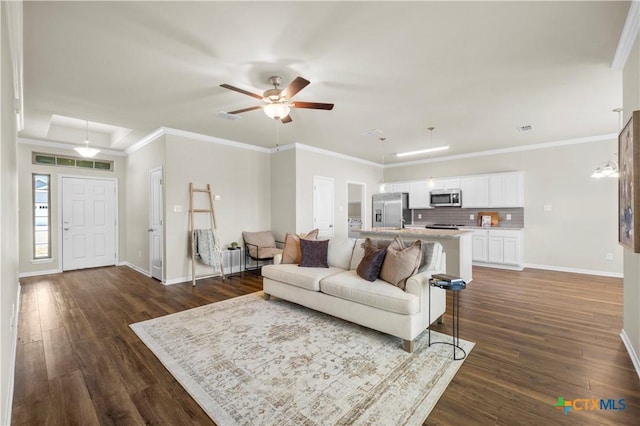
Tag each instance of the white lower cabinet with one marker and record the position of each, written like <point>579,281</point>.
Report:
<point>498,247</point>
<point>479,246</point>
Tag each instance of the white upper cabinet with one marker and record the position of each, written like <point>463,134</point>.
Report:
<point>475,191</point>
<point>419,195</point>
<point>478,191</point>
<point>506,189</point>
<point>448,183</point>
<point>399,187</point>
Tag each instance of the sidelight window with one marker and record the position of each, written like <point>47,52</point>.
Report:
<point>41,216</point>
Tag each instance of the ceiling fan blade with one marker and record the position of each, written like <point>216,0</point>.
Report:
<point>244,92</point>
<point>287,119</point>
<point>294,87</point>
<point>238,111</point>
<point>312,105</point>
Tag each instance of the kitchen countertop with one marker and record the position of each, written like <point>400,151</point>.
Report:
<point>417,232</point>
<point>472,227</point>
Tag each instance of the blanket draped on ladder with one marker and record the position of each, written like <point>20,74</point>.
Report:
<point>207,248</point>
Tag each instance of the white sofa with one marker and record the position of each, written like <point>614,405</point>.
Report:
<point>340,292</point>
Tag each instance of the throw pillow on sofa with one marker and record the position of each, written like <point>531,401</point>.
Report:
<point>291,252</point>
<point>371,263</point>
<point>314,253</point>
<point>401,262</point>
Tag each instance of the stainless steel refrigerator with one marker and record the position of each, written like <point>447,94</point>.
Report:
<point>391,210</point>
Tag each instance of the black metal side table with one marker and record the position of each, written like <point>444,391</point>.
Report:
<point>232,252</point>
<point>455,285</point>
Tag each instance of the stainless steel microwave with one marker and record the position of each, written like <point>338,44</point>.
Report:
<point>446,198</point>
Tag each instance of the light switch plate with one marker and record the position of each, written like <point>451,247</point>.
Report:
<point>419,215</point>
<point>547,207</point>
<point>217,198</point>
<point>177,208</point>
<point>508,216</point>
<point>471,217</point>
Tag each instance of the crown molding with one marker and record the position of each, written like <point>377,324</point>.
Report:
<point>168,131</point>
<point>628,36</point>
<point>335,154</point>
<point>60,145</point>
<point>544,145</point>
<point>214,140</point>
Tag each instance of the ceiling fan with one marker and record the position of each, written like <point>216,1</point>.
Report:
<point>277,102</point>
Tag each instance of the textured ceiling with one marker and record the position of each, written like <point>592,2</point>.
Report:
<point>473,70</point>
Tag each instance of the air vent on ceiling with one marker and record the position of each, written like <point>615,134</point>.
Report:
<point>371,132</point>
<point>228,116</point>
<point>525,128</point>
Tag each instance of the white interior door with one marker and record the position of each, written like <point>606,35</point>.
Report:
<point>155,223</point>
<point>323,205</point>
<point>88,223</point>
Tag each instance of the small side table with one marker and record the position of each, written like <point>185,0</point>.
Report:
<point>231,256</point>
<point>454,284</point>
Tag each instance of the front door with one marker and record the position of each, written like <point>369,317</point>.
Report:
<point>155,223</point>
<point>88,223</point>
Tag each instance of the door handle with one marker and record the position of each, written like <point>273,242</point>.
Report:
<point>66,228</point>
<point>150,229</point>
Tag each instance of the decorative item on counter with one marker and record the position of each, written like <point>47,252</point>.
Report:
<point>493,215</point>
<point>486,221</point>
<point>233,245</point>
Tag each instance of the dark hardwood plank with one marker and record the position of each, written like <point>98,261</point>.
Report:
<point>539,335</point>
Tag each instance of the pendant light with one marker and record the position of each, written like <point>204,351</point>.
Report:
<point>431,183</point>
<point>85,151</point>
<point>609,168</point>
<point>381,188</point>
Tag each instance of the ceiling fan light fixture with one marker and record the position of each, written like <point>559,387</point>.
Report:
<point>422,151</point>
<point>277,111</point>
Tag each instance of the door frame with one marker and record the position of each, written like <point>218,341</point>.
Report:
<point>151,171</point>
<point>363,203</point>
<point>60,216</point>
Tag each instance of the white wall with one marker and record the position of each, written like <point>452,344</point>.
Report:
<point>283,193</point>
<point>582,226</point>
<point>25,167</point>
<point>138,165</point>
<point>240,176</point>
<point>631,325</point>
<point>310,163</point>
<point>9,287</point>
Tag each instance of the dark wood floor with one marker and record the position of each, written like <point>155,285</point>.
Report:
<point>539,335</point>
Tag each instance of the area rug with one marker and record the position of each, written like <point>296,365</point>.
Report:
<point>248,361</point>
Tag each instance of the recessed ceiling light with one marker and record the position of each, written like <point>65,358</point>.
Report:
<point>525,128</point>
<point>423,151</point>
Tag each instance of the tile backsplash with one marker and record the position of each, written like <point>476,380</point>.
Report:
<point>460,216</point>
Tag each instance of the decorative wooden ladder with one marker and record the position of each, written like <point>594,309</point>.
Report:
<point>212,215</point>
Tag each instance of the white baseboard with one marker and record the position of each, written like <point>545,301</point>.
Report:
<point>12,361</point>
<point>632,353</point>
<point>185,279</point>
<point>135,268</point>
<point>575,270</point>
<point>37,273</point>
<point>498,266</point>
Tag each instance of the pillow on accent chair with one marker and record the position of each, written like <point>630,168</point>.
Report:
<point>369,267</point>
<point>314,253</point>
<point>291,252</point>
<point>401,262</point>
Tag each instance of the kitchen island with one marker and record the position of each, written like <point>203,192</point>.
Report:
<point>455,243</point>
